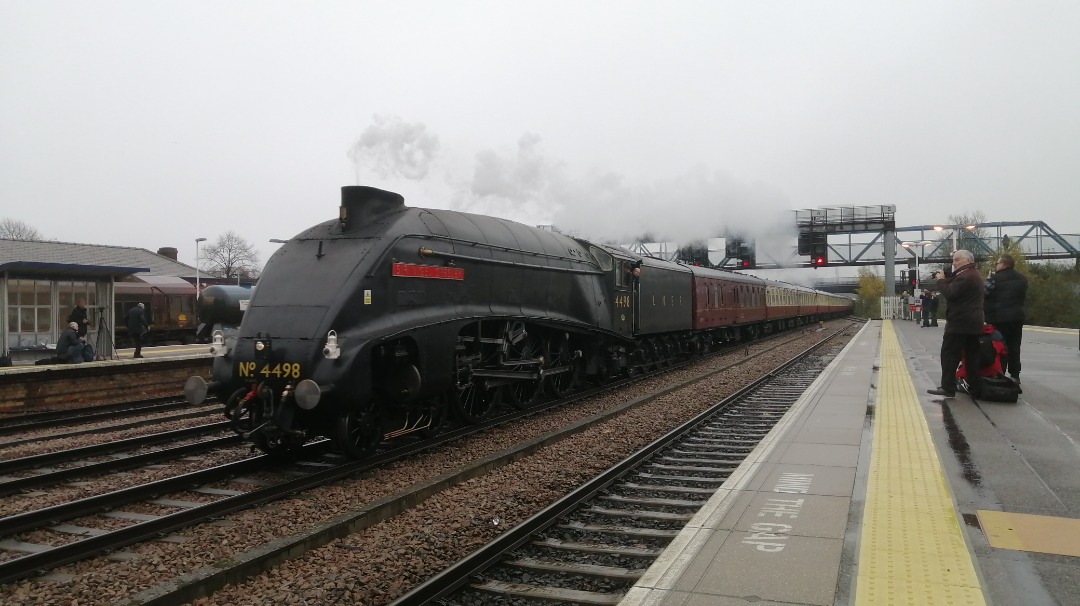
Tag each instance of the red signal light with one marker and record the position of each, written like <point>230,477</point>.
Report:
<point>819,260</point>
<point>746,264</point>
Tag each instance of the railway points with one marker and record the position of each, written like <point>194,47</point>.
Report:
<point>873,492</point>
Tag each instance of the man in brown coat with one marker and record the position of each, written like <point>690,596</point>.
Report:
<point>963,291</point>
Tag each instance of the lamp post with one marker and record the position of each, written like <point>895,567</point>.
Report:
<point>198,291</point>
<point>920,245</point>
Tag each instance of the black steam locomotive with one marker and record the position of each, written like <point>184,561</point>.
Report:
<point>380,322</point>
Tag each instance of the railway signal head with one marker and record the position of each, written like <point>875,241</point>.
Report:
<point>820,261</point>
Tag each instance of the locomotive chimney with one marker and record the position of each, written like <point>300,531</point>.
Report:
<point>167,251</point>
<point>360,205</point>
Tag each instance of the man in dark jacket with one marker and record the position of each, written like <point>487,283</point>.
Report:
<point>69,348</point>
<point>1006,290</point>
<point>963,291</point>
<point>78,316</point>
<point>137,327</point>
<point>926,300</point>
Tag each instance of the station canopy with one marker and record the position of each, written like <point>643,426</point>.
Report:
<point>166,285</point>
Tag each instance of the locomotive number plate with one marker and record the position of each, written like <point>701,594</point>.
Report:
<point>277,370</point>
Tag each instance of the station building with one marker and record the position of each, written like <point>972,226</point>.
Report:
<point>41,281</point>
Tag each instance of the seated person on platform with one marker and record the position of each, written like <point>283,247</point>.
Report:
<point>69,348</point>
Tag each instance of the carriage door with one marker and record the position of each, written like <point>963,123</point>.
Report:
<point>625,299</point>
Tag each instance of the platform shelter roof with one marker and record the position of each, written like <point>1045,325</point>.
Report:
<point>72,259</point>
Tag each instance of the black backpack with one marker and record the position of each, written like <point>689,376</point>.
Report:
<point>999,389</point>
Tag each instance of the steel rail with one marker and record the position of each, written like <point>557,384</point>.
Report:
<point>134,424</point>
<point>95,469</point>
<point>29,565</point>
<point>460,573</point>
<point>201,584</point>
<point>18,423</point>
<point>94,450</point>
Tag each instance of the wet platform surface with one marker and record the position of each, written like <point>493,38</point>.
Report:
<point>872,491</point>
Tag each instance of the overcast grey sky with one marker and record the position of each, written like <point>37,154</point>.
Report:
<point>153,123</point>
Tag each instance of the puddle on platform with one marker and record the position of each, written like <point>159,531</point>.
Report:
<point>960,447</point>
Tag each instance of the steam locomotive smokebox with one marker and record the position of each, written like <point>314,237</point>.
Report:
<point>360,205</point>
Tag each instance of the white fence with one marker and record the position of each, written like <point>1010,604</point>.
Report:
<point>894,308</point>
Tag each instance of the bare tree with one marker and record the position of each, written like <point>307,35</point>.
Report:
<point>231,256</point>
<point>971,239</point>
<point>13,229</point>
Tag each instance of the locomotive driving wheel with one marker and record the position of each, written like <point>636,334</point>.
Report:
<point>358,431</point>
<point>523,393</point>
<point>557,355</point>
<point>472,400</point>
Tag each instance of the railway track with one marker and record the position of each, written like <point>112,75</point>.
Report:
<point>24,559</point>
<point>200,412</point>
<point>74,462</point>
<point>22,423</point>
<point>208,580</point>
<point>593,544</point>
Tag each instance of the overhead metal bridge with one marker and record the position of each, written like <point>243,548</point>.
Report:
<point>864,247</point>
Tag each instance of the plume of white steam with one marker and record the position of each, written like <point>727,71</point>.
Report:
<point>528,185</point>
<point>525,184</point>
<point>391,147</point>
<point>517,184</point>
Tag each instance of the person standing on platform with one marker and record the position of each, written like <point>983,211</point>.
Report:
<point>926,299</point>
<point>78,316</point>
<point>137,327</point>
<point>1006,290</point>
<point>933,309</point>
<point>963,289</point>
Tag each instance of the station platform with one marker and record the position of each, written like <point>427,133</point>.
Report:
<point>125,354</point>
<point>30,388</point>
<point>871,491</point>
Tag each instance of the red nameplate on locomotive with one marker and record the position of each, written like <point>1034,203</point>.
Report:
<point>408,270</point>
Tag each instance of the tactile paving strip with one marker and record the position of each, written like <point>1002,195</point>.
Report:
<point>912,549</point>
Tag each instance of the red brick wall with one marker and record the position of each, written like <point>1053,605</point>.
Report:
<point>66,387</point>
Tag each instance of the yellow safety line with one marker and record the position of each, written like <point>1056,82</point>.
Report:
<point>1056,331</point>
<point>911,550</point>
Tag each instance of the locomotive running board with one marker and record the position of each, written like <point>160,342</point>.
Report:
<point>520,374</point>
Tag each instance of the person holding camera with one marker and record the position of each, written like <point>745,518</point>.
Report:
<point>1006,291</point>
<point>963,291</point>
